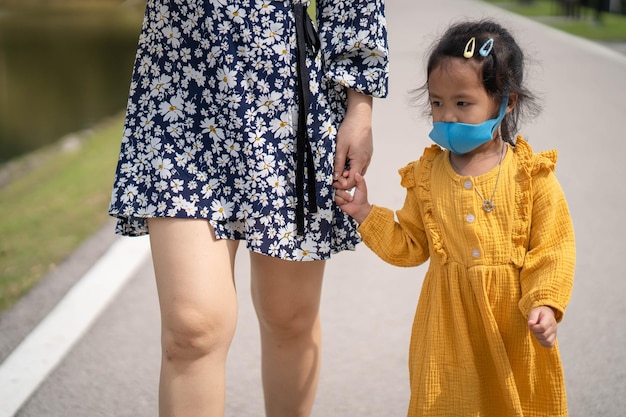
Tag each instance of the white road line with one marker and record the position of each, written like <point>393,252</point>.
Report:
<point>44,348</point>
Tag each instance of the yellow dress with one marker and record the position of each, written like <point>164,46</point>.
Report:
<point>471,352</point>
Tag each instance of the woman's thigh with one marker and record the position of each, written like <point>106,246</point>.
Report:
<point>194,276</point>
<point>286,294</point>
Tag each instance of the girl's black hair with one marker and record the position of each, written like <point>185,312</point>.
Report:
<point>502,69</point>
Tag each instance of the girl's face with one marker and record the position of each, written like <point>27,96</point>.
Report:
<point>457,93</point>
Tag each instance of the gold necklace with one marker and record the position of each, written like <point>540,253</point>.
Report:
<point>489,205</point>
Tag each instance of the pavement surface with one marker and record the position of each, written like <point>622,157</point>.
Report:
<point>107,346</point>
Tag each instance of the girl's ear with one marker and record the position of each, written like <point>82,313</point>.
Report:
<point>512,102</point>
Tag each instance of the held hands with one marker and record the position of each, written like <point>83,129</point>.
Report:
<point>354,203</point>
<point>542,323</point>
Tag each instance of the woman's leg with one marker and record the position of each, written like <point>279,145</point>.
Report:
<point>286,296</point>
<point>194,276</point>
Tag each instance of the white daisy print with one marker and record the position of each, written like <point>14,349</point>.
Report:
<point>172,110</point>
<point>209,126</point>
<point>281,127</point>
<point>163,167</point>
<point>212,113</point>
<point>221,209</point>
<point>227,78</point>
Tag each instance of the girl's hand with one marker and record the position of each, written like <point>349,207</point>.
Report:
<point>354,141</point>
<point>542,323</point>
<point>355,204</point>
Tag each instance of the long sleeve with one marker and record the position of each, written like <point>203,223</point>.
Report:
<point>353,36</point>
<point>401,243</point>
<point>547,274</point>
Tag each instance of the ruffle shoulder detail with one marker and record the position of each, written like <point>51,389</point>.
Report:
<point>407,175</point>
<point>545,160</point>
<point>528,165</point>
<point>423,175</point>
<point>523,176</point>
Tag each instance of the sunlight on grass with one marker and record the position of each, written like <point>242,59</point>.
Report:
<point>47,213</point>
<point>611,26</point>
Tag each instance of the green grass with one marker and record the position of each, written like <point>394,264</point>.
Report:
<point>611,27</point>
<point>48,212</point>
<point>533,9</point>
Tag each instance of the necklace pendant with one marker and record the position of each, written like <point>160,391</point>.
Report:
<point>488,206</point>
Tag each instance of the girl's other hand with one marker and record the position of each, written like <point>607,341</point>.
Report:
<point>542,322</point>
<point>354,202</point>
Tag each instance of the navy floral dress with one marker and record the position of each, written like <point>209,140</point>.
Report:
<point>212,115</point>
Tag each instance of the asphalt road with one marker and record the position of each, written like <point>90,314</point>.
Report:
<point>367,306</point>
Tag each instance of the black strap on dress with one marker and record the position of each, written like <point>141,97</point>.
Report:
<point>306,37</point>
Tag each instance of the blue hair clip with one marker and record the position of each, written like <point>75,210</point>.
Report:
<point>469,48</point>
<point>486,48</point>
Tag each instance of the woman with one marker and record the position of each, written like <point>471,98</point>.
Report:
<point>240,122</point>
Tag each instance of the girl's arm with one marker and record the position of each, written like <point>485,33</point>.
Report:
<point>401,243</point>
<point>547,275</point>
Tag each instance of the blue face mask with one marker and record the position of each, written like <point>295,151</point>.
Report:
<point>462,138</point>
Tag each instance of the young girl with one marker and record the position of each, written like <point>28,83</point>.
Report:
<point>492,218</point>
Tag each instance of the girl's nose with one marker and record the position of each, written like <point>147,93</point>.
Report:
<point>448,115</point>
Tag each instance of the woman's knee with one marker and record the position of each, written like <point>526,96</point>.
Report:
<point>289,322</point>
<point>193,335</point>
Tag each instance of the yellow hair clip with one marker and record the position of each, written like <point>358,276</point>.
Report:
<point>469,48</point>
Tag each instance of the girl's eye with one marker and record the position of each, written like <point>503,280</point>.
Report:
<point>462,104</point>
<point>435,103</point>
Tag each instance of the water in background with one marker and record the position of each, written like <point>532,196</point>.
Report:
<point>62,70</point>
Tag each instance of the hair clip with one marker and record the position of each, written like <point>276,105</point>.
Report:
<point>469,48</point>
<point>486,48</point>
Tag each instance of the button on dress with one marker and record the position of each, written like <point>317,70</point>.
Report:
<point>211,120</point>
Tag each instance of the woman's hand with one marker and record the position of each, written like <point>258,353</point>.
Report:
<point>354,141</point>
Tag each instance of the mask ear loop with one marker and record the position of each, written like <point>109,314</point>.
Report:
<point>512,139</point>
